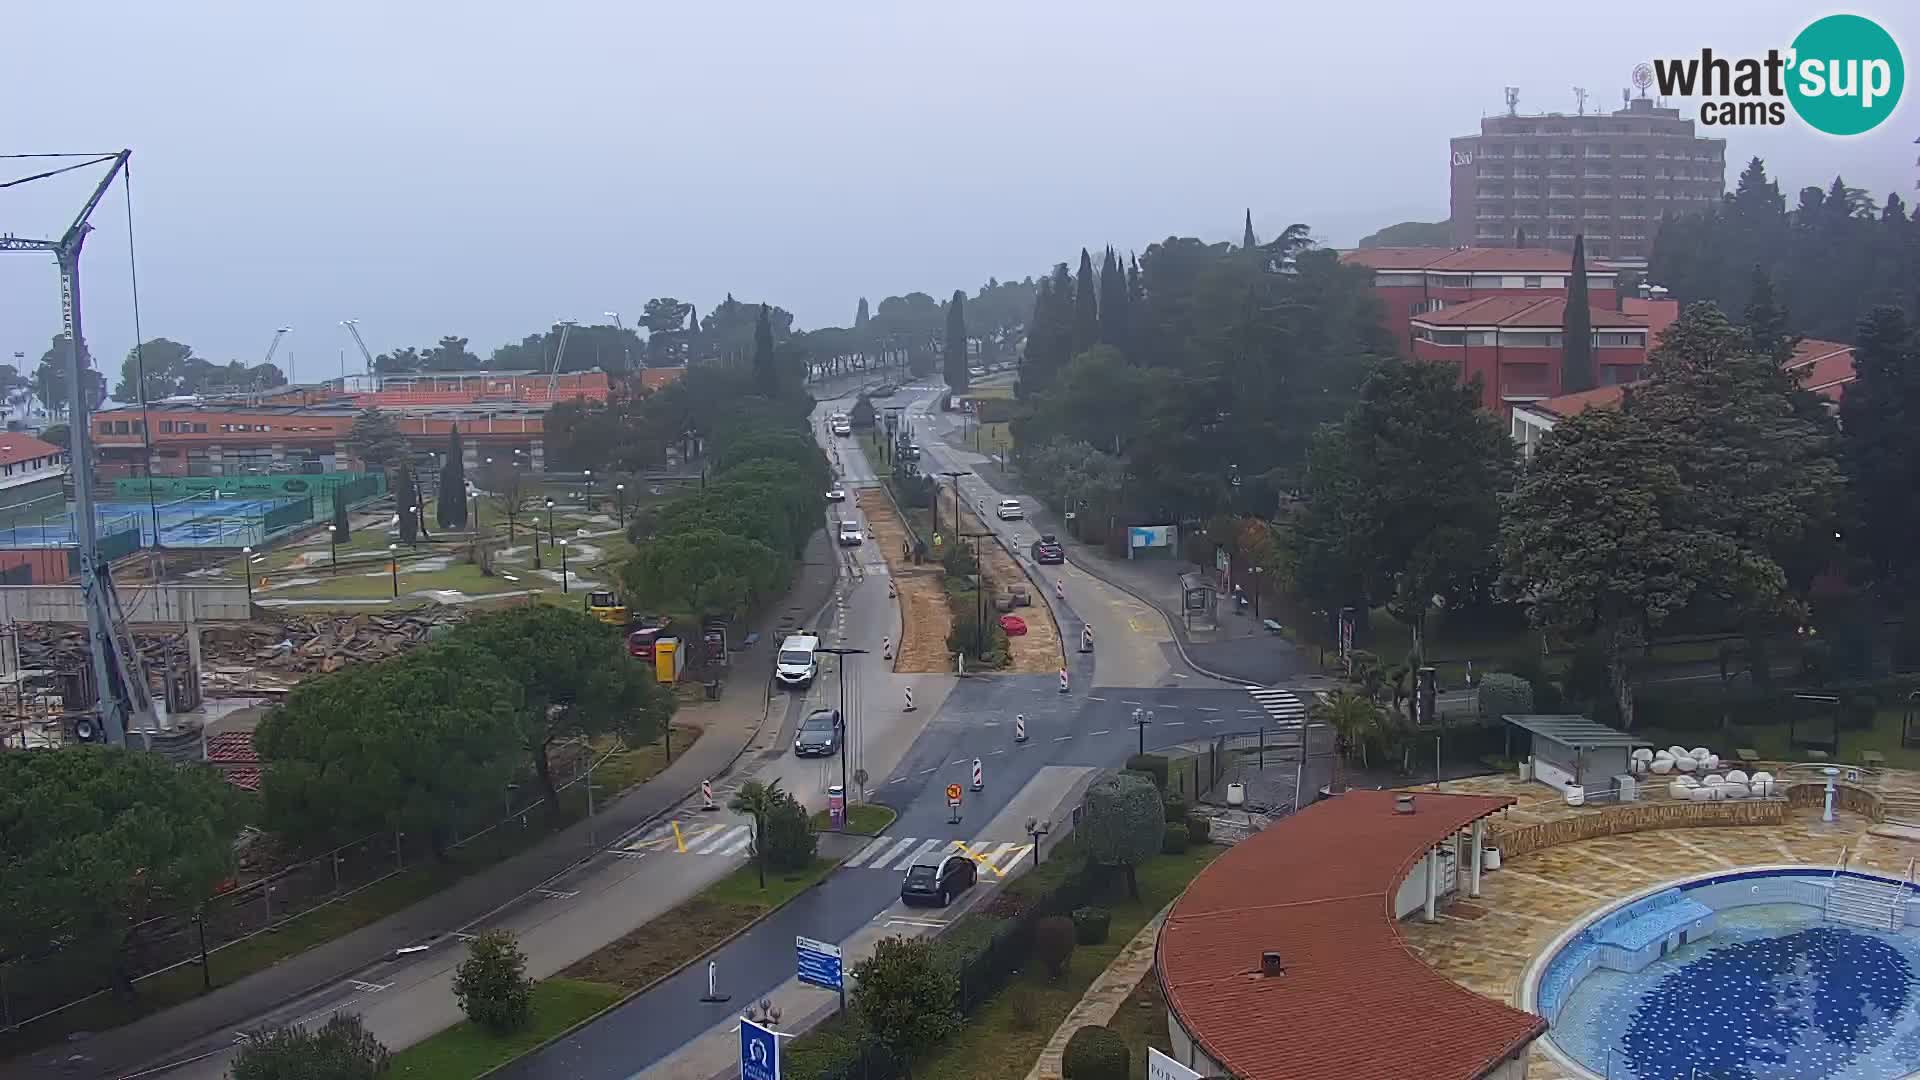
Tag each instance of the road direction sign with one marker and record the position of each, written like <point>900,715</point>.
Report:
<point>953,792</point>
<point>759,1052</point>
<point>819,963</point>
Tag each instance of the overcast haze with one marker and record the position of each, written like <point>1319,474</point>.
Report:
<point>482,169</point>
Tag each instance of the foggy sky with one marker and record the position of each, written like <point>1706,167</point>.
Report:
<point>484,168</point>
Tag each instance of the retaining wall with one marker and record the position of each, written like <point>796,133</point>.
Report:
<point>1514,841</point>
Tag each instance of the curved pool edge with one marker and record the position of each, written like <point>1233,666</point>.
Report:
<point>1530,979</point>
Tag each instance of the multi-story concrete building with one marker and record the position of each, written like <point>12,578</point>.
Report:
<point>1608,176</point>
<point>1516,346</point>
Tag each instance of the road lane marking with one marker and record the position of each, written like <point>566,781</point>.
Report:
<point>898,780</point>
<point>918,853</point>
<point>1090,697</point>
<point>1208,708</point>
<point>1062,738</point>
<point>928,772</point>
<point>883,861</point>
<point>1102,731</point>
<point>681,841</point>
<point>960,761</point>
<point>869,851</point>
<point>1002,750</point>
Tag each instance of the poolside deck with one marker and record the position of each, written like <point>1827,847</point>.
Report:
<point>1486,944</point>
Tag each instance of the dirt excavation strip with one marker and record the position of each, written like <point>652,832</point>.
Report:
<point>924,616</point>
<point>1037,651</point>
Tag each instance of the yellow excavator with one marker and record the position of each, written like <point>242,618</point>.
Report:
<point>604,605</point>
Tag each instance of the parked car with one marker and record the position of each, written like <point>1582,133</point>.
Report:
<point>820,734</point>
<point>1009,509</point>
<point>851,534</point>
<point>836,493</point>
<point>938,883</point>
<point>1047,550</point>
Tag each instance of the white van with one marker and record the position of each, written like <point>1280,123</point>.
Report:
<point>799,660</point>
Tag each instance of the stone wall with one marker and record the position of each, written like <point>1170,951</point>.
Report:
<point>1514,841</point>
<point>1853,800</point>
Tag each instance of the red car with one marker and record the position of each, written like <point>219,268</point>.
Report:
<point>1014,625</point>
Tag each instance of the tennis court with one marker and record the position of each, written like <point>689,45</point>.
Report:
<point>178,523</point>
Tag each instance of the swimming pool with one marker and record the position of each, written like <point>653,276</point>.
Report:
<point>1737,976</point>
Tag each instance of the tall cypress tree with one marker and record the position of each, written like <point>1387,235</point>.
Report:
<point>763,372</point>
<point>956,356</point>
<point>404,494</point>
<point>1247,242</point>
<point>1880,446</point>
<point>860,315</point>
<point>1576,357</point>
<point>1113,302</point>
<point>1766,319</point>
<point>1086,309</point>
<point>342,528</point>
<point>451,511</point>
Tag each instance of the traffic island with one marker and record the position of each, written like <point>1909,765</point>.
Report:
<point>924,617</point>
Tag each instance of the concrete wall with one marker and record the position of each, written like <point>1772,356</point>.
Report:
<point>161,604</point>
<point>1631,818</point>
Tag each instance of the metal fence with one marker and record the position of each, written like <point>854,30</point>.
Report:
<point>36,988</point>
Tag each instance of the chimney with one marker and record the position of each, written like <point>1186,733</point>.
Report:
<point>1270,965</point>
<point>1403,804</point>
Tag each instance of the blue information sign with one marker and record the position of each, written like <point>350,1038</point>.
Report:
<point>819,963</point>
<point>759,1052</point>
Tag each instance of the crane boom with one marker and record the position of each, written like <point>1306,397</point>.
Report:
<point>560,351</point>
<point>353,328</point>
<point>274,346</point>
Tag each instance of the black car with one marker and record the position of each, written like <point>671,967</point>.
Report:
<point>1047,550</point>
<point>819,734</point>
<point>938,883</point>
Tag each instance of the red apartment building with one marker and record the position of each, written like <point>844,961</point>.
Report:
<point>1515,346</point>
<point>1416,281</point>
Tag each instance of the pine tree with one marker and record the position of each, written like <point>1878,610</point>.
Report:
<point>763,371</point>
<point>1576,363</point>
<point>1086,309</point>
<point>1766,320</point>
<point>1247,242</point>
<point>1113,302</point>
<point>956,355</point>
<point>1880,444</point>
<point>451,511</point>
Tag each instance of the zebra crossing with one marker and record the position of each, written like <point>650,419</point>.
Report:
<point>897,853</point>
<point>1284,706</point>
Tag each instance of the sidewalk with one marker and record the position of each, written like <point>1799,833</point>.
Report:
<point>729,727</point>
<point>1239,650</point>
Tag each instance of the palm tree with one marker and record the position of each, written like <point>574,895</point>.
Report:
<point>1353,718</point>
<point>757,800</point>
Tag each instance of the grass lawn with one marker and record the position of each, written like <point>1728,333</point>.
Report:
<point>988,439</point>
<point>870,445</point>
<point>1771,740</point>
<point>657,949</point>
<point>863,819</point>
<point>1004,1039</point>
<point>1142,1021</point>
<point>464,1051</point>
<point>637,764</point>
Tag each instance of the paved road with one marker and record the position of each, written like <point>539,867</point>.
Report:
<point>659,1032</point>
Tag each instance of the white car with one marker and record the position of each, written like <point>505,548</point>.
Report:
<point>836,493</point>
<point>851,535</point>
<point>1009,509</point>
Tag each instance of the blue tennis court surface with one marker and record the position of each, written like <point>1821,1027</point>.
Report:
<point>182,523</point>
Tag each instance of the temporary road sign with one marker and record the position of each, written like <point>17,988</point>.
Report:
<point>818,963</point>
<point>979,780</point>
<point>953,792</point>
<point>759,1052</point>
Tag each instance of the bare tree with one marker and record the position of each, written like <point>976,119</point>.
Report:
<point>507,491</point>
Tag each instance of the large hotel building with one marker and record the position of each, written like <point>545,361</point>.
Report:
<point>1607,176</point>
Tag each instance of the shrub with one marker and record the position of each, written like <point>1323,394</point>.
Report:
<point>1090,924</point>
<point>340,1049</point>
<point>1173,842</point>
<point>1199,829</point>
<point>1026,1004</point>
<point>1053,941</point>
<point>790,838</point>
<point>1176,808</point>
<point>1504,695</point>
<point>1154,765</point>
<point>491,984</point>
<point>1096,1053</point>
<point>1123,823</point>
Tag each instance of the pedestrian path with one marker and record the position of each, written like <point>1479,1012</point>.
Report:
<point>897,853</point>
<point>1284,706</point>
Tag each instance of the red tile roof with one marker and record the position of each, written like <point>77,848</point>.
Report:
<point>1461,260</point>
<point>16,448</point>
<point>1825,367</point>
<point>1659,314</point>
<point>1522,312</point>
<point>1353,1003</point>
<point>1566,405</point>
<point>232,748</point>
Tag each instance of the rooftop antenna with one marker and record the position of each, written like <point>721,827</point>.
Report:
<point>1643,77</point>
<point>1513,101</point>
<point>1626,98</point>
<point>1580,96</point>
<point>126,704</point>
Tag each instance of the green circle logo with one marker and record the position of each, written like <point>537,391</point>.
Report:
<point>1846,76</point>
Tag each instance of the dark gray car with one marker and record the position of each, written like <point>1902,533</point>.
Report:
<point>820,734</point>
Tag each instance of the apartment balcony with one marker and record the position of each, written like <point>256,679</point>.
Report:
<point>1528,174</point>
<point>1558,156</point>
<point>1633,176</point>
<point>1561,176</point>
<point>1597,195</point>
<point>1489,217</point>
<point>1634,157</point>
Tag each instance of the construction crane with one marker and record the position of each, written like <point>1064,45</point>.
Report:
<point>353,327</point>
<point>553,380</point>
<point>126,704</point>
<point>274,346</point>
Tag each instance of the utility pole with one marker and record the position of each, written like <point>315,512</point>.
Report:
<point>125,701</point>
<point>846,747</point>
<point>979,587</point>
<point>953,477</point>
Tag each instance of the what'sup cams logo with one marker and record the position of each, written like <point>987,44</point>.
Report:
<point>1842,75</point>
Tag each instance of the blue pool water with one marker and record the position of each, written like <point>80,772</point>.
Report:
<point>1774,994</point>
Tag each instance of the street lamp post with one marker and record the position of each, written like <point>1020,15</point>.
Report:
<point>415,512</point>
<point>1257,571</point>
<point>333,549</point>
<point>620,501</point>
<point>848,745</point>
<point>393,567</point>
<point>626,350</point>
<point>1142,719</point>
<point>246,568</point>
<point>563,568</point>
<point>589,494</point>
